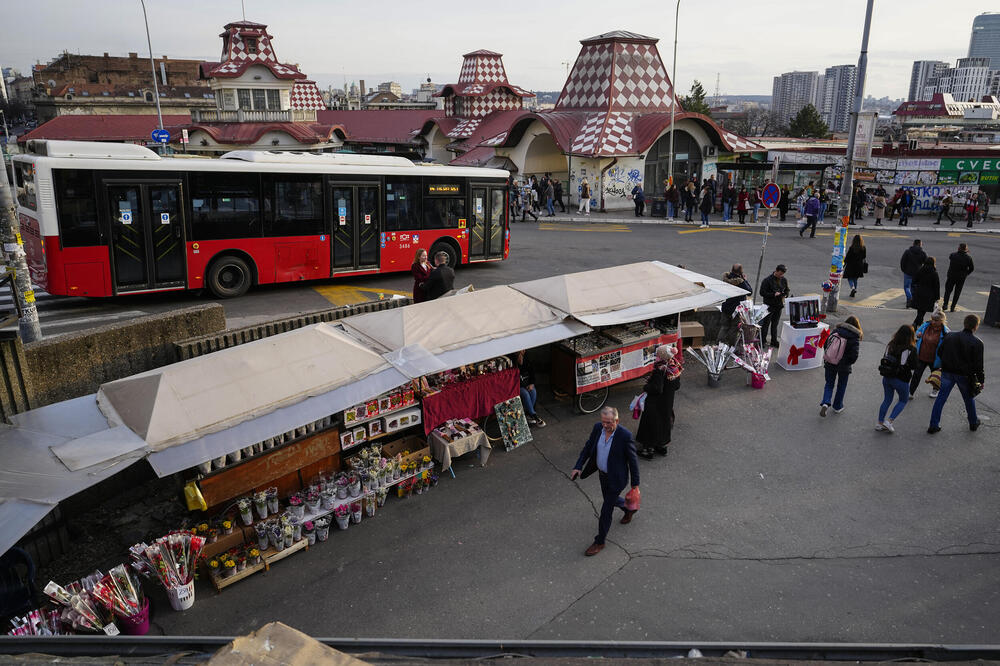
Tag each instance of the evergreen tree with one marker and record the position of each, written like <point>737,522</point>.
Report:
<point>695,102</point>
<point>808,123</point>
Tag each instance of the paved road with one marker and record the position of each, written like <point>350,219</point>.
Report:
<point>765,523</point>
<point>566,244</point>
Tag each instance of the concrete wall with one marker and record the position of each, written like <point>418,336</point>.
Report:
<point>76,364</point>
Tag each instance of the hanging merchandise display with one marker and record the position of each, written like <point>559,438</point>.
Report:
<point>513,423</point>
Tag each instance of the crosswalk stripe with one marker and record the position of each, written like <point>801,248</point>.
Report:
<point>881,298</point>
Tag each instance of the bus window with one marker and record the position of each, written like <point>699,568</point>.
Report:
<point>293,206</point>
<point>24,178</point>
<point>402,204</point>
<point>225,205</point>
<point>443,213</point>
<point>77,205</point>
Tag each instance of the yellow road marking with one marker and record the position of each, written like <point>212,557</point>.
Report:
<point>983,293</point>
<point>349,295</point>
<point>589,227</point>
<point>880,298</point>
<point>698,231</point>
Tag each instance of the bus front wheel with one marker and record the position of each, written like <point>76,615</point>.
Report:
<point>229,277</point>
<point>448,249</point>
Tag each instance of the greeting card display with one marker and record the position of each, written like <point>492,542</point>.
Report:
<point>513,424</point>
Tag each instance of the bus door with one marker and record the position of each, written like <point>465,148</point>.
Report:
<point>486,231</point>
<point>147,235</point>
<point>356,226</point>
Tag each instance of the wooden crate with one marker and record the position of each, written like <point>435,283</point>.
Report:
<point>268,557</point>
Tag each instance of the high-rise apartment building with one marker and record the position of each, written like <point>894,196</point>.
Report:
<point>836,95</point>
<point>922,73</point>
<point>969,80</point>
<point>791,92</point>
<point>985,39</point>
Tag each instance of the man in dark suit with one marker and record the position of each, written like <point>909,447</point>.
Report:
<point>442,278</point>
<point>610,452</point>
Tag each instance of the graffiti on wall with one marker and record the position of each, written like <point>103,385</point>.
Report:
<point>620,181</point>
<point>926,197</point>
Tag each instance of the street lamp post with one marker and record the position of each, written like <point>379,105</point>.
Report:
<point>847,185</point>
<point>152,67</point>
<point>673,102</point>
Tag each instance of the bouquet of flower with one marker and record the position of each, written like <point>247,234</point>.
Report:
<point>713,357</point>
<point>119,592</point>
<point>343,515</point>
<point>272,499</point>
<point>246,512</point>
<point>750,314</point>
<point>80,610</point>
<point>37,623</point>
<point>170,560</point>
<point>755,361</point>
<point>322,529</point>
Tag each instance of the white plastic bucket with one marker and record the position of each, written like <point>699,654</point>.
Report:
<point>181,598</point>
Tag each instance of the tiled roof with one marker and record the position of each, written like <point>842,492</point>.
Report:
<point>619,36</point>
<point>305,95</point>
<point>480,89</point>
<point>126,128</point>
<point>118,90</point>
<point>247,133</point>
<point>396,126</point>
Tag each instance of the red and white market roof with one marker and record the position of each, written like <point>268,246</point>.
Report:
<point>482,87</point>
<point>245,43</point>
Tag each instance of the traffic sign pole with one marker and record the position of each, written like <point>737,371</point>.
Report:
<point>770,196</point>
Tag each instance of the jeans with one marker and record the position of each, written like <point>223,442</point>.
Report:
<point>822,211</point>
<point>948,381</point>
<point>727,211</point>
<point>756,207</point>
<point>853,282</point>
<point>950,284</point>
<point>611,500</point>
<point>704,218</point>
<point>640,206</point>
<point>771,321</point>
<point>840,377</point>
<point>549,207</point>
<point>528,398</point>
<point>671,210</point>
<point>900,388</point>
<point>689,213</point>
<point>907,282</point>
<point>810,226</point>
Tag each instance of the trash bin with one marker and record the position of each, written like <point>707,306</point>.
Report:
<point>992,316</point>
<point>657,207</point>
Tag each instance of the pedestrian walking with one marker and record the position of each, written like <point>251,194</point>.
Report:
<point>894,203</point>
<point>855,263</point>
<point>550,194</point>
<point>558,190</point>
<point>811,211</point>
<point>757,202</point>
<point>657,417</point>
<point>824,201</point>
<point>960,266</point>
<point>610,452</point>
<point>839,354</point>
<point>945,208</point>
<point>743,204</point>
<point>690,195</point>
<point>926,289</point>
<point>727,201</point>
<point>729,329</point>
<point>706,204</point>
<point>962,366</point>
<point>930,335</point>
<point>584,198</point>
<point>970,210</point>
<point>421,271</point>
<point>911,261</point>
<point>441,279</point>
<point>783,202</point>
<point>673,197</point>
<point>773,292</point>
<point>526,208</point>
<point>879,206</point>
<point>714,186</point>
<point>905,208</point>
<point>529,395</point>
<point>639,199</point>
<point>896,368</point>
<point>984,205</point>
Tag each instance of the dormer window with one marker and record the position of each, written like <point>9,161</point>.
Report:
<point>251,43</point>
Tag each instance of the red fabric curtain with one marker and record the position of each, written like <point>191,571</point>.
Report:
<point>470,399</point>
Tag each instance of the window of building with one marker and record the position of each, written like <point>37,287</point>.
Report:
<point>244,95</point>
<point>293,205</point>
<point>402,204</point>
<point>225,205</point>
<point>251,43</point>
<point>149,97</point>
<point>443,212</point>
<point>76,202</point>
<point>274,100</point>
<point>259,99</point>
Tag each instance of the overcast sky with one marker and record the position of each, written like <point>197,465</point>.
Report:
<point>746,43</point>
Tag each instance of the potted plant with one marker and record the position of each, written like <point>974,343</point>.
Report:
<point>343,516</point>
<point>296,529</point>
<point>228,568</point>
<point>370,504</point>
<point>342,486</point>
<point>418,485</point>
<point>354,484</point>
<point>277,535</point>
<point>310,530</point>
<point>241,562</point>
<point>260,504</point>
<point>272,500</point>
<point>201,529</point>
<point>227,526</point>
<point>326,499</point>
<point>246,512</point>
<point>356,512</point>
<point>261,529</point>
<point>380,495</point>
<point>322,529</point>
<point>213,566</point>
<point>289,536</point>
<point>428,463</point>
<point>253,556</point>
<point>213,535</point>
<point>295,506</point>
<point>434,480</point>
<point>313,500</point>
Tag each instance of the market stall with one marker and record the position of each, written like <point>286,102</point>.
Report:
<point>803,334</point>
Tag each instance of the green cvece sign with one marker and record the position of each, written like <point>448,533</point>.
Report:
<point>987,164</point>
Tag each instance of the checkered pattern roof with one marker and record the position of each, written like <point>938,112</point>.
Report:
<point>465,128</point>
<point>482,88</point>
<point>238,53</point>
<point>305,95</point>
<point>482,67</point>
<point>605,134</point>
<point>738,143</point>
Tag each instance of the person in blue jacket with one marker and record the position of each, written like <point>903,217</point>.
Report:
<point>930,335</point>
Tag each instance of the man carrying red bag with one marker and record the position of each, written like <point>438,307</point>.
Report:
<point>610,451</point>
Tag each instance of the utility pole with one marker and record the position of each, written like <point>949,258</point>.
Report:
<point>10,233</point>
<point>847,185</point>
<point>673,102</point>
<point>152,66</point>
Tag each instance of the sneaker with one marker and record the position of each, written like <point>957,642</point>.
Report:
<point>539,422</point>
<point>934,393</point>
<point>933,429</point>
<point>838,411</point>
<point>822,409</point>
<point>911,396</point>
<point>887,424</point>
<point>974,426</point>
<point>879,427</point>
<point>853,292</point>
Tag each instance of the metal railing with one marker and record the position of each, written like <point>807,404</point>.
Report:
<point>249,116</point>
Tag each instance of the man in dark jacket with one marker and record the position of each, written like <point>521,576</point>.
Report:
<point>905,208</point>
<point>735,277</point>
<point>961,365</point>
<point>910,263</point>
<point>639,198</point>
<point>610,451</point>
<point>783,202</point>
<point>960,266</point>
<point>442,279</point>
<point>773,291</point>
<point>558,189</point>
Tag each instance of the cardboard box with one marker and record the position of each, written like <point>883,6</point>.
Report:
<point>403,419</point>
<point>417,446</point>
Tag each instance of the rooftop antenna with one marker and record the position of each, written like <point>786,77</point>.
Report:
<point>244,8</point>
<point>717,98</point>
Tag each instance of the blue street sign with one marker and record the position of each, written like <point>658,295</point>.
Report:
<point>771,195</point>
<point>160,136</point>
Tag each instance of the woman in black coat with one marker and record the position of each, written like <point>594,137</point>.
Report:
<point>653,434</point>
<point>926,289</point>
<point>854,263</point>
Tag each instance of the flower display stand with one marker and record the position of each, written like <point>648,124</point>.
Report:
<point>267,558</point>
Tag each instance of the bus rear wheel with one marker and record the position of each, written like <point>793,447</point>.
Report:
<point>448,249</point>
<point>229,277</point>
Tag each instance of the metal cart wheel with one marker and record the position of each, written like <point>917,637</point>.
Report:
<point>492,428</point>
<point>591,401</point>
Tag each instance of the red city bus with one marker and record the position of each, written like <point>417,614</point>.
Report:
<point>101,219</point>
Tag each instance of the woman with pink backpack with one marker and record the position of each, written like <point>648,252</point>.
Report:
<point>839,354</point>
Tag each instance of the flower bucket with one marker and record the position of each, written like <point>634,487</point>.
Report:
<point>241,566</point>
<point>218,463</point>
<point>297,511</point>
<point>356,489</point>
<point>261,510</point>
<point>227,572</point>
<point>343,521</point>
<point>713,380</point>
<point>289,540</point>
<point>757,380</point>
<point>341,492</point>
<point>311,538</point>
<point>181,598</point>
<point>262,542</point>
<point>135,625</point>
<point>322,533</point>
<point>356,516</point>
<point>204,468</point>
<point>326,499</point>
<point>247,517</point>
<point>272,505</point>
<point>296,533</point>
<point>279,544</point>
<point>314,506</point>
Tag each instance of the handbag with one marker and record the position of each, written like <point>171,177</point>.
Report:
<point>864,266</point>
<point>633,499</point>
<point>638,405</point>
<point>934,379</point>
